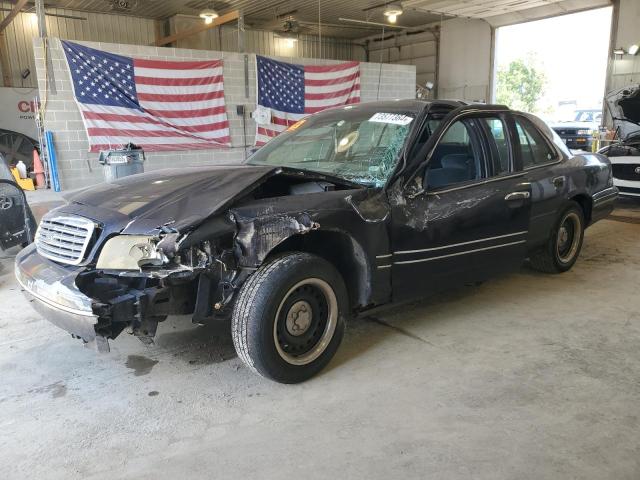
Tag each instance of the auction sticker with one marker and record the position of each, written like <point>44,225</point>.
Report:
<point>395,118</point>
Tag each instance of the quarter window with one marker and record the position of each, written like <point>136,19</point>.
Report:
<point>533,148</point>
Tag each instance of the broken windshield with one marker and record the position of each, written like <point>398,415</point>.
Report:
<point>360,145</point>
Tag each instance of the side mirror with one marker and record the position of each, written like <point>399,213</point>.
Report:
<point>416,186</point>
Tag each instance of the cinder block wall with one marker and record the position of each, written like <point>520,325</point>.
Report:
<point>77,167</point>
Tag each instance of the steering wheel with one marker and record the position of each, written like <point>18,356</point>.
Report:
<point>5,202</point>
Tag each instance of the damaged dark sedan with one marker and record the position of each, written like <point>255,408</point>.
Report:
<point>348,210</point>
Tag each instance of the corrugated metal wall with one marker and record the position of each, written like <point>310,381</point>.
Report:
<point>419,49</point>
<point>71,25</point>
<point>264,42</point>
<point>98,27</point>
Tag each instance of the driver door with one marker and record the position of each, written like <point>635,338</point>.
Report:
<point>472,219</point>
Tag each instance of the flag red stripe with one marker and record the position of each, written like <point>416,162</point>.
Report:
<point>165,65</point>
<point>177,82</point>
<point>188,97</point>
<point>282,121</point>
<point>139,118</point>
<point>334,94</point>
<point>160,147</point>
<point>113,117</point>
<point>117,132</point>
<point>319,109</point>
<point>204,112</point>
<point>267,132</point>
<point>330,68</point>
<point>125,118</point>
<point>332,81</point>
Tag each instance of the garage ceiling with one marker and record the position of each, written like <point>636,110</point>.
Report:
<point>268,14</point>
<point>271,14</point>
<point>476,8</point>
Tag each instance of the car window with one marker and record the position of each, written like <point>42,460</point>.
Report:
<point>534,150</point>
<point>498,130</point>
<point>360,144</point>
<point>457,157</point>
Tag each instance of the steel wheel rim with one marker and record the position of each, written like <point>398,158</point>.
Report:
<point>285,313</point>
<point>568,238</point>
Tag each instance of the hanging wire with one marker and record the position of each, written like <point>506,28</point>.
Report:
<point>320,25</point>
<point>380,61</point>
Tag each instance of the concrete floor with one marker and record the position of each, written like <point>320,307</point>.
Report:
<point>530,376</point>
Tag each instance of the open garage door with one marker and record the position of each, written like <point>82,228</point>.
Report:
<point>556,68</point>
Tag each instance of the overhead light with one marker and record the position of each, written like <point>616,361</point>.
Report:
<point>392,12</point>
<point>290,39</point>
<point>429,85</point>
<point>209,16</point>
<point>633,49</point>
<point>619,51</point>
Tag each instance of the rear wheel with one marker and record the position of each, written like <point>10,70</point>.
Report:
<point>288,320</point>
<point>564,244</point>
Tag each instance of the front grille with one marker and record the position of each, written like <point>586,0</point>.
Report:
<point>566,131</point>
<point>64,238</point>
<point>629,191</point>
<point>626,171</point>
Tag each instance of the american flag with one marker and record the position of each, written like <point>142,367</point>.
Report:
<point>155,104</point>
<point>291,92</point>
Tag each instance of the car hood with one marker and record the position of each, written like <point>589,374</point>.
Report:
<point>177,198</point>
<point>624,105</point>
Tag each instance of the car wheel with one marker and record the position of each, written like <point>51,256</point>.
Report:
<point>288,320</point>
<point>564,245</point>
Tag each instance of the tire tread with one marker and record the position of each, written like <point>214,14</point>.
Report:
<point>250,290</point>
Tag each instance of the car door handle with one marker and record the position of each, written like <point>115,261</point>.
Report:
<point>558,182</point>
<point>517,196</point>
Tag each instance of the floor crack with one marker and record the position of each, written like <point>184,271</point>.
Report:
<point>400,330</point>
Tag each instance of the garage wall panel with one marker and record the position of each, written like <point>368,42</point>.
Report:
<point>465,60</point>
<point>78,167</point>
<point>625,70</point>
<point>418,49</point>
<point>71,25</point>
<point>225,38</point>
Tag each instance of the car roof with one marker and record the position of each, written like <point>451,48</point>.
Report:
<point>416,105</point>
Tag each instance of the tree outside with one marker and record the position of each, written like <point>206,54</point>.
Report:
<point>520,85</point>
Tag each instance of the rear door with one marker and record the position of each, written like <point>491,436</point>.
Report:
<point>472,220</point>
<point>541,164</point>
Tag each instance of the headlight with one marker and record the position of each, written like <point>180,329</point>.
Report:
<point>130,252</point>
<point>584,132</point>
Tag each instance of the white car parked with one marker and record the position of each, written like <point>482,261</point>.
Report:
<point>624,155</point>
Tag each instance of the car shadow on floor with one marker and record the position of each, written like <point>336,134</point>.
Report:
<point>366,332</point>
<point>177,337</point>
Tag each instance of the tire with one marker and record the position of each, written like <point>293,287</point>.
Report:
<point>288,320</point>
<point>558,256</point>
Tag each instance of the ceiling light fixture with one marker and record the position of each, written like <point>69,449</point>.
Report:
<point>290,39</point>
<point>209,16</point>
<point>633,49</point>
<point>392,12</point>
<point>619,51</point>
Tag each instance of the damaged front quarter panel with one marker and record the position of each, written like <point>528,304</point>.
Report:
<point>257,236</point>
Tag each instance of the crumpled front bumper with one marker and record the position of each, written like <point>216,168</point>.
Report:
<point>53,293</point>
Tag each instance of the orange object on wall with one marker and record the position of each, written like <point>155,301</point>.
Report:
<point>38,170</point>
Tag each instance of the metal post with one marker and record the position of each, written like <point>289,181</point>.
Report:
<point>42,32</point>
<point>42,22</point>
<point>241,33</point>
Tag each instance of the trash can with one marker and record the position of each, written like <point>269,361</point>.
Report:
<point>122,163</point>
